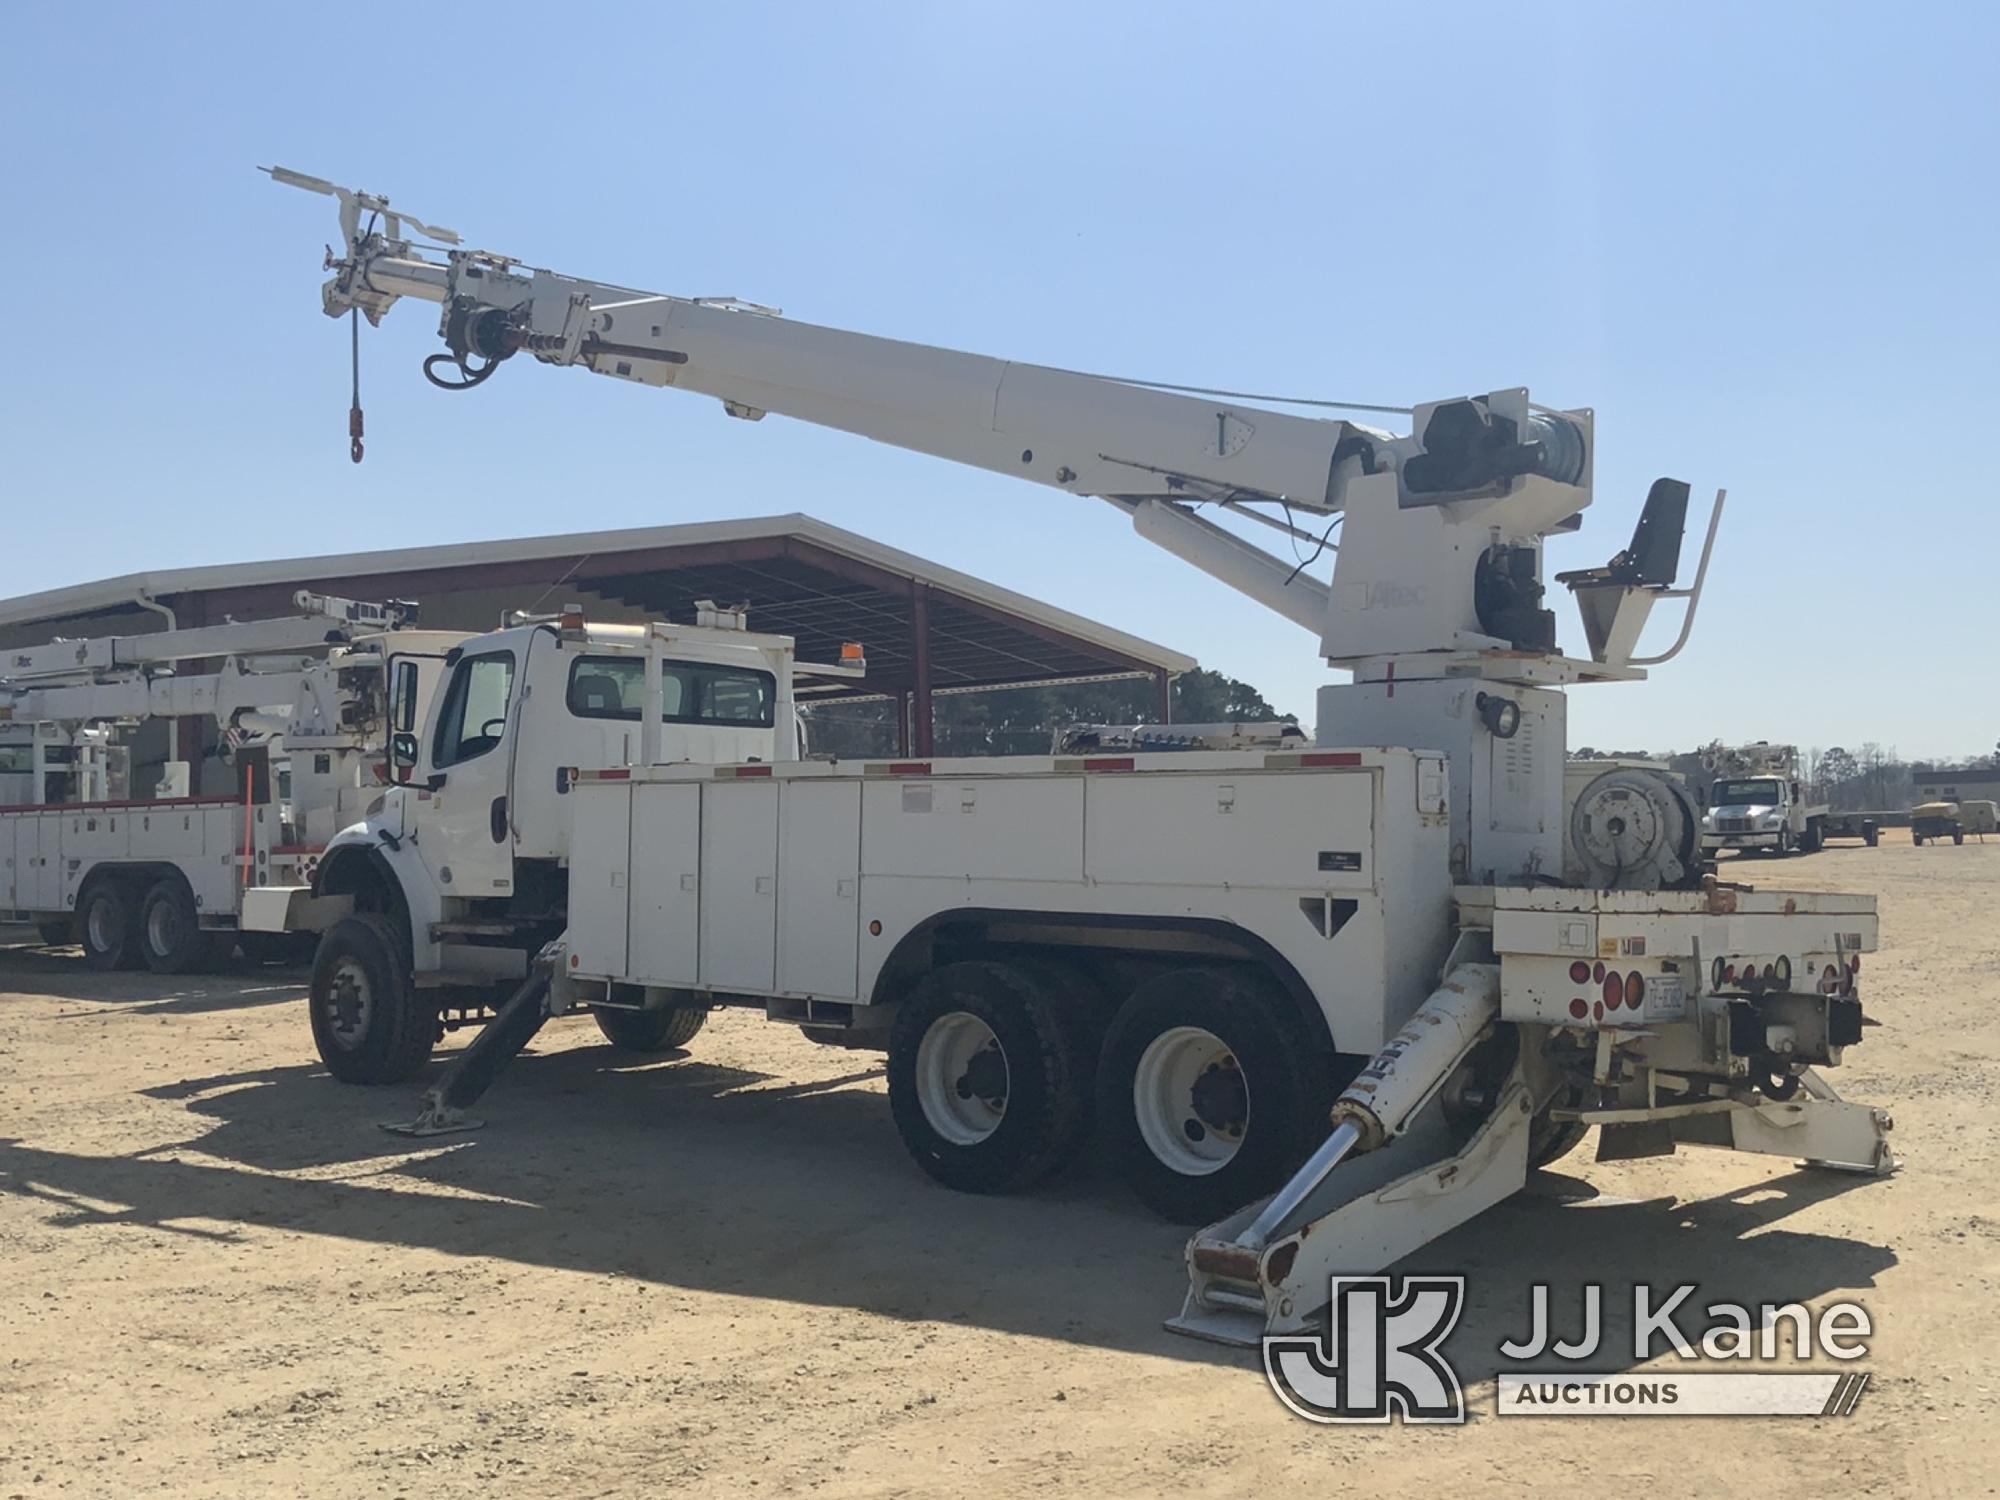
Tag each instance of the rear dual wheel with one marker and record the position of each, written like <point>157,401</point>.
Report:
<point>1210,1092</point>
<point>171,938</point>
<point>988,1082</point>
<point>107,926</point>
<point>651,1030</point>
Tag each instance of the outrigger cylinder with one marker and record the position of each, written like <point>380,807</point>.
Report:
<point>1386,1095</point>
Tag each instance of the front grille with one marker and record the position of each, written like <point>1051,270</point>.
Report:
<point>1735,825</point>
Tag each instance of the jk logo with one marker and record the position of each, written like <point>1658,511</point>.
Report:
<point>1380,1356</point>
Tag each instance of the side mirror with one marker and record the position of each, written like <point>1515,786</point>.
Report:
<point>403,754</point>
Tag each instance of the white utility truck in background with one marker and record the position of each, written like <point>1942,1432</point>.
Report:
<point>306,703</point>
<point>1758,803</point>
<point>1201,955</point>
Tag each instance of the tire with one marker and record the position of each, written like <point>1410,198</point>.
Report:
<point>1551,1140</point>
<point>1957,835</point>
<point>369,1023</point>
<point>1266,1105</point>
<point>1813,839</point>
<point>56,932</point>
<point>985,1080</point>
<point>170,937</point>
<point>1786,847</point>
<point>1081,1010</point>
<point>107,925</point>
<point>1871,834</point>
<point>651,1030</point>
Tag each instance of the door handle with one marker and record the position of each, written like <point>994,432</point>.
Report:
<point>764,885</point>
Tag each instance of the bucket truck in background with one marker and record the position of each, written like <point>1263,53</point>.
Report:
<point>1219,944</point>
<point>306,704</point>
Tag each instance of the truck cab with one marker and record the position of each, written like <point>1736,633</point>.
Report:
<point>465,857</point>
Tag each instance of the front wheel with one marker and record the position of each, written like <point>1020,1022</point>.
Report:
<point>1208,1092</point>
<point>369,1023</point>
<point>651,1030</point>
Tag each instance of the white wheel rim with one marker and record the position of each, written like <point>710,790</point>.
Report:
<point>163,928</point>
<point>348,1002</point>
<point>102,938</point>
<point>956,1078</point>
<point>1192,1140</point>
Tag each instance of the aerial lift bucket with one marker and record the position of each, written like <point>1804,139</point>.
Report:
<point>1399,1170</point>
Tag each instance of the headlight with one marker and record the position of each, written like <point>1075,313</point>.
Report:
<point>1772,820</point>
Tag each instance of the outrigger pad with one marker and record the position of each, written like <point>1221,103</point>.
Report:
<point>433,1122</point>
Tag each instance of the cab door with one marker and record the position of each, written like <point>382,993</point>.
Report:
<point>466,839</point>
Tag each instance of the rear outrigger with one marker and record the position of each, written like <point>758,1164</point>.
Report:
<point>1203,954</point>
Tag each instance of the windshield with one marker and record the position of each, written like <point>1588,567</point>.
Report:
<point>1737,793</point>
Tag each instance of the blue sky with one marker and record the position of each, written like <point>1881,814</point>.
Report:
<point>1758,240</point>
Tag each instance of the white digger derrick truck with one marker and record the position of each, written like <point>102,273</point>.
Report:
<point>164,878</point>
<point>1221,945</point>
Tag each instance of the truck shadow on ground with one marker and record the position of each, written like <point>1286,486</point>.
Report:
<point>58,974</point>
<point>715,1179</point>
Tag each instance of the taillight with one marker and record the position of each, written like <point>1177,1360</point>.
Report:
<point>1614,991</point>
<point>1579,972</point>
<point>1578,1007</point>
<point>1635,989</point>
<point>1597,973</point>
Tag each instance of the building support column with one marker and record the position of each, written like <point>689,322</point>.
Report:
<point>921,723</point>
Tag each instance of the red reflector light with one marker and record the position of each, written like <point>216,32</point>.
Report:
<point>1614,991</point>
<point>1121,763</point>
<point>1579,972</point>
<point>1729,973</point>
<point>742,771</point>
<point>1579,1008</point>
<point>1339,758</point>
<point>1854,964</point>
<point>1635,989</point>
<point>909,768</point>
<point>1597,972</point>
<point>1597,1010</point>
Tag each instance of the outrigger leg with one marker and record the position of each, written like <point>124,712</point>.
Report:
<point>1397,1172</point>
<point>472,1072</point>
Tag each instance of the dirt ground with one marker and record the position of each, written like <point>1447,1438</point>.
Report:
<point>719,1272</point>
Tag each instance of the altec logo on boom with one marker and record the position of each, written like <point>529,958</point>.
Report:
<point>1382,1357</point>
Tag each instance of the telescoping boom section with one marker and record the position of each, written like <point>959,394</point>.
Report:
<point>1328,995</point>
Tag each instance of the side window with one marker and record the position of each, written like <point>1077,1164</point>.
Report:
<point>474,716</point>
<point>403,698</point>
<point>614,687</point>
